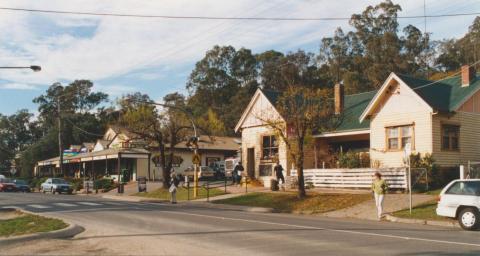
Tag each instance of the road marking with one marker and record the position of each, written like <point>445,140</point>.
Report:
<point>38,206</point>
<point>329,229</point>
<point>88,203</point>
<point>65,204</point>
<point>9,207</point>
<point>112,203</point>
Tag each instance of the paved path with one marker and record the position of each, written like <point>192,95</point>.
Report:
<point>129,228</point>
<point>392,203</point>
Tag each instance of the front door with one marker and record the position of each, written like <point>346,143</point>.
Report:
<point>251,162</point>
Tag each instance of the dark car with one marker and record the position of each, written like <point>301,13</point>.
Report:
<point>22,186</point>
<point>6,185</point>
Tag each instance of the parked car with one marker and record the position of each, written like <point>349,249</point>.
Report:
<point>22,186</point>
<point>460,199</point>
<point>56,185</point>
<point>205,172</point>
<point>6,185</point>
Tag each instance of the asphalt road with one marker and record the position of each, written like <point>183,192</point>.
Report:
<point>118,227</point>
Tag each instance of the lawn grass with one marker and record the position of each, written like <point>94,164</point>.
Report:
<point>289,202</point>
<point>27,224</point>
<point>182,193</point>
<point>424,211</point>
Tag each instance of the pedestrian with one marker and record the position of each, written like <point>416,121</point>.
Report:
<point>278,169</point>
<point>174,181</point>
<point>379,189</point>
<point>237,173</point>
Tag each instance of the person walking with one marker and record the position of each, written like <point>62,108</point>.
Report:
<point>278,169</point>
<point>237,173</point>
<point>174,181</point>
<point>379,189</point>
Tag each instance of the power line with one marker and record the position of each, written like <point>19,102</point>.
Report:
<point>445,78</point>
<point>229,18</point>
<point>82,130</point>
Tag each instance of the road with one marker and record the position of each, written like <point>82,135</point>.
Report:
<point>129,228</point>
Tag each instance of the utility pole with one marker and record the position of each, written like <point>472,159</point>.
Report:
<point>60,143</point>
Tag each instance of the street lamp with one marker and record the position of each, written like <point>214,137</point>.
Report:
<point>34,68</point>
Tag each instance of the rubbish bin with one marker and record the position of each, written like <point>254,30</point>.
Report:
<point>120,188</point>
<point>274,185</point>
<point>142,184</point>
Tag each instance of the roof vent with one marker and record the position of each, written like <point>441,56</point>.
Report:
<point>468,74</point>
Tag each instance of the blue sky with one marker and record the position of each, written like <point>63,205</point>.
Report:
<point>155,56</point>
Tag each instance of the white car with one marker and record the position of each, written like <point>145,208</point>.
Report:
<point>56,185</point>
<point>460,199</point>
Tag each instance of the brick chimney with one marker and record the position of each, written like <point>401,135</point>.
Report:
<point>468,74</point>
<point>339,98</point>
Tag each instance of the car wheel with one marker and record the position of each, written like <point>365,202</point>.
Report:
<point>469,218</point>
<point>51,190</point>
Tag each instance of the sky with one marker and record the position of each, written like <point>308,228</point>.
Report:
<point>155,56</point>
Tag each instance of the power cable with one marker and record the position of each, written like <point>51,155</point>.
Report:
<point>229,18</point>
<point>80,129</point>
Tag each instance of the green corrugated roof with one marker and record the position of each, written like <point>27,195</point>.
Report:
<point>445,95</point>
<point>354,106</point>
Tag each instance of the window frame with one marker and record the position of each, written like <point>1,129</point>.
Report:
<point>269,157</point>
<point>450,148</point>
<point>399,137</point>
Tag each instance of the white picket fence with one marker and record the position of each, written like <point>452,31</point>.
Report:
<point>353,178</point>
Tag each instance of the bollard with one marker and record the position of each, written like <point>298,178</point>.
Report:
<point>188,190</point>
<point>246,184</point>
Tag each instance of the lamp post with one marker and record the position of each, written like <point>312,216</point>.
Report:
<point>34,68</point>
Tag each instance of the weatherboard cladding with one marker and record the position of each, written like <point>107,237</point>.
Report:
<point>445,96</point>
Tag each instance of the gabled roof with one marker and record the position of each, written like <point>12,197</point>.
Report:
<point>444,95</point>
<point>272,97</point>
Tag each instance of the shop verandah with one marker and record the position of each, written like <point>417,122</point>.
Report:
<point>132,162</point>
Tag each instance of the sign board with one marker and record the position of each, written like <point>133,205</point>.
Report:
<point>196,159</point>
<point>13,171</point>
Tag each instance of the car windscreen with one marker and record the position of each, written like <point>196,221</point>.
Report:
<point>59,181</point>
<point>468,188</point>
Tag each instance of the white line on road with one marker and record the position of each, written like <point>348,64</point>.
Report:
<point>329,229</point>
<point>65,204</point>
<point>8,207</point>
<point>113,203</point>
<point>88,203</point>
<point>38,206</point>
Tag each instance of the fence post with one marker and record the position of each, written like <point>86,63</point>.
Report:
<point>246,184</point>
<point>225,183</point>
<point>208,191</point>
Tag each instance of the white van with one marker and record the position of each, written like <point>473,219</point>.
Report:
<point>460,199</point>
<point>230,164</point>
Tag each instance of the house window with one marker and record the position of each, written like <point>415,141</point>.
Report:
<point>269,147</point>
<point>450,135</point>
<point>399,136</point>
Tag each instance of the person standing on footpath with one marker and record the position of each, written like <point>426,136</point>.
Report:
<point>278,169</point>
<point>237,173</point>
<point>174,181</point>
<point>379,189</point>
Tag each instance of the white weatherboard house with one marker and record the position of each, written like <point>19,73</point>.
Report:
<point>437,117</point>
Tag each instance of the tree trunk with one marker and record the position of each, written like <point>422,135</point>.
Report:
<point>165,171</point>
<point>299,165</point>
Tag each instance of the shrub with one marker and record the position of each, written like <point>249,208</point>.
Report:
<point>353,160</point>
<point>104,184</point>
